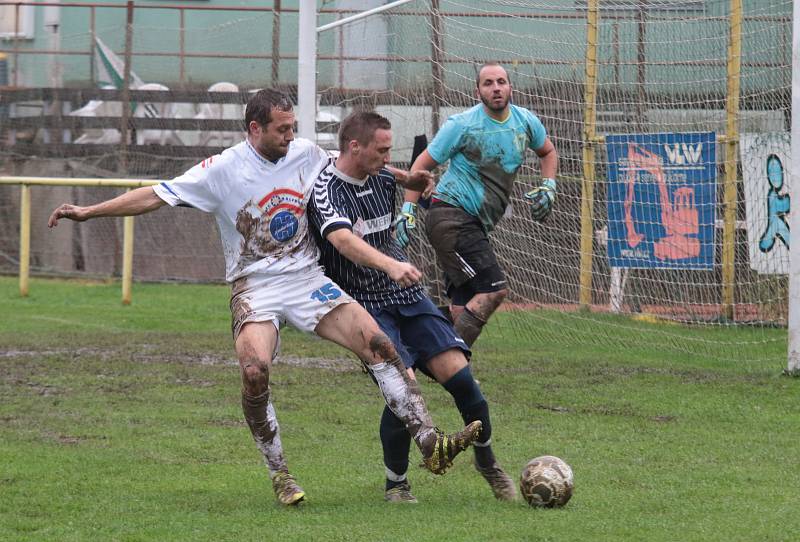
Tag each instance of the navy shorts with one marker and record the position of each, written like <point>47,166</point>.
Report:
<point>419,331</point>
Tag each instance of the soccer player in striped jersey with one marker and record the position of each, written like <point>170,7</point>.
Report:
<point>258,190</point>
<point>352,214</point>
<point>485,147</point>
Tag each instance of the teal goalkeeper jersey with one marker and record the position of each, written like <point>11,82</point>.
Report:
<point>485,156</point>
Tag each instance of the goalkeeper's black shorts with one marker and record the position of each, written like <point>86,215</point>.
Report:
<point>464,252</point>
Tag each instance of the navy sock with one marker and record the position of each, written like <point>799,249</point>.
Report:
<point>396,442</point>
<point>472,406</point>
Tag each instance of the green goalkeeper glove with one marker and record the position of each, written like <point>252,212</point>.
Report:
<point>542,199</point>
<point>406,222</point>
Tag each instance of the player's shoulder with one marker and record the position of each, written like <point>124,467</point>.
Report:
<point>306,147</point>
<point>326,182</point>
<point>384,179</point>
<point>385,175</point>
<point>222,161</point>
<point>523,113</point>
<point>301,144</point>
<point>468,117</point>
<point>326,175</point>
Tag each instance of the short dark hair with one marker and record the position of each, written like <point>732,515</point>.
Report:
<point>261,104</point>
<point>361,126</point>
<point>486,65</point>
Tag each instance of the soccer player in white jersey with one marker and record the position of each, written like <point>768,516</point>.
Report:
<point>351,214</point>
<point>485,146</point>
<point>258,191</point>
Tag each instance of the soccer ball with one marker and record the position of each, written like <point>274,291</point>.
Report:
<point>546,482</point>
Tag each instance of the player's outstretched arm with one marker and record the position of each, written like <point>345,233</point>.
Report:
<point>136,202</point>
<point>360,252</point>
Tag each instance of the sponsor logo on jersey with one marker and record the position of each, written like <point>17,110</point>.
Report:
<point>374,225</point>
<point>283,208</point>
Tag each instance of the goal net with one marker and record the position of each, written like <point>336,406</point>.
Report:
<point>653,96</point>
<point>669,117</point>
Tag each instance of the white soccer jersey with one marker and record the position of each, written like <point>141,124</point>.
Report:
<point>260,206</point>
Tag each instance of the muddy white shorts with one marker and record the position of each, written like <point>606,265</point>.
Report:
<point>300,299</point>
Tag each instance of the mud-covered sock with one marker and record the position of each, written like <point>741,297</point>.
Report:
<point>469,325</point>
<point>260,416</point>
<point>403,397</point>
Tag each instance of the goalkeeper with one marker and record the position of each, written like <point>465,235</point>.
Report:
<point>486,147</point>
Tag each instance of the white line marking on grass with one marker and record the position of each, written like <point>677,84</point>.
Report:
<point>78,323</point>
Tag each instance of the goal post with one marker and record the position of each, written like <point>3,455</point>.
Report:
<point>793,362</point>
<point>307,70</point>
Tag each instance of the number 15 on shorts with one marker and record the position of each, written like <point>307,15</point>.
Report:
<point>328,292</point>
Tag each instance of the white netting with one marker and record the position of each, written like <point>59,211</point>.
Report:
<point>662,68</point>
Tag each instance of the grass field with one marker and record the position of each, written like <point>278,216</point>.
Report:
<point>124,423</point>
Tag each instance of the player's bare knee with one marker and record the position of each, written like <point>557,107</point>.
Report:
<point>381,347</point>
<point>499,295</point>
<point>445,364</point>
<point>255,376</point>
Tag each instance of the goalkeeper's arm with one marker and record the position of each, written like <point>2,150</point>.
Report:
<point>548,159</point>
<point>543,197</point>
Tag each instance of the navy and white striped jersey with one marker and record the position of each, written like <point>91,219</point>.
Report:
<point>365,207</point>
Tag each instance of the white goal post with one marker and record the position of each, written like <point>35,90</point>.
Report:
<point>307,59</point>
<point>793,365</point>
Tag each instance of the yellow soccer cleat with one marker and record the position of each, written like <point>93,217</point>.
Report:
<point>447,447</point>
<point>286,489</point>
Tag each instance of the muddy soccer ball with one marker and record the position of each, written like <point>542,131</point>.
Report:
<point>546,482</point>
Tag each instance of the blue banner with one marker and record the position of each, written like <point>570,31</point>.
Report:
<point>661,200</point>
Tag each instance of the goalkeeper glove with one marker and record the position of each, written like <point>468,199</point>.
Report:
<point>542,199</point>
<point>406,222</point>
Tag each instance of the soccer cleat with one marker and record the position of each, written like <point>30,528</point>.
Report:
<point>400,493</point>
<point>502,485</point>
<point>447,447</point>
<point>286,489</point>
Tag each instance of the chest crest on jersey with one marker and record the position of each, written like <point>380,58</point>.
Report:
<point>521,142</point>
<point>282,208</point>
<point>270,223</point>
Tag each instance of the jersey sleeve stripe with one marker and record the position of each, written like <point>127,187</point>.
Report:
<point>333,225</point>
<point>168,189</point>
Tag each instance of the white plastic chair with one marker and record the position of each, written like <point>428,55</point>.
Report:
<point>99,108</point>
<point>157,110</point>
<point>229,111</point>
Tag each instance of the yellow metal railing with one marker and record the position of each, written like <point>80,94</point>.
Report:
<point>25,184</point>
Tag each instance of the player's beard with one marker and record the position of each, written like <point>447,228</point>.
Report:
<point>273,153</point>
<point>492,106</point>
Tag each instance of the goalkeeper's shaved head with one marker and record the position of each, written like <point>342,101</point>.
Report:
<point>487,65</point>
<point>261,104</point>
